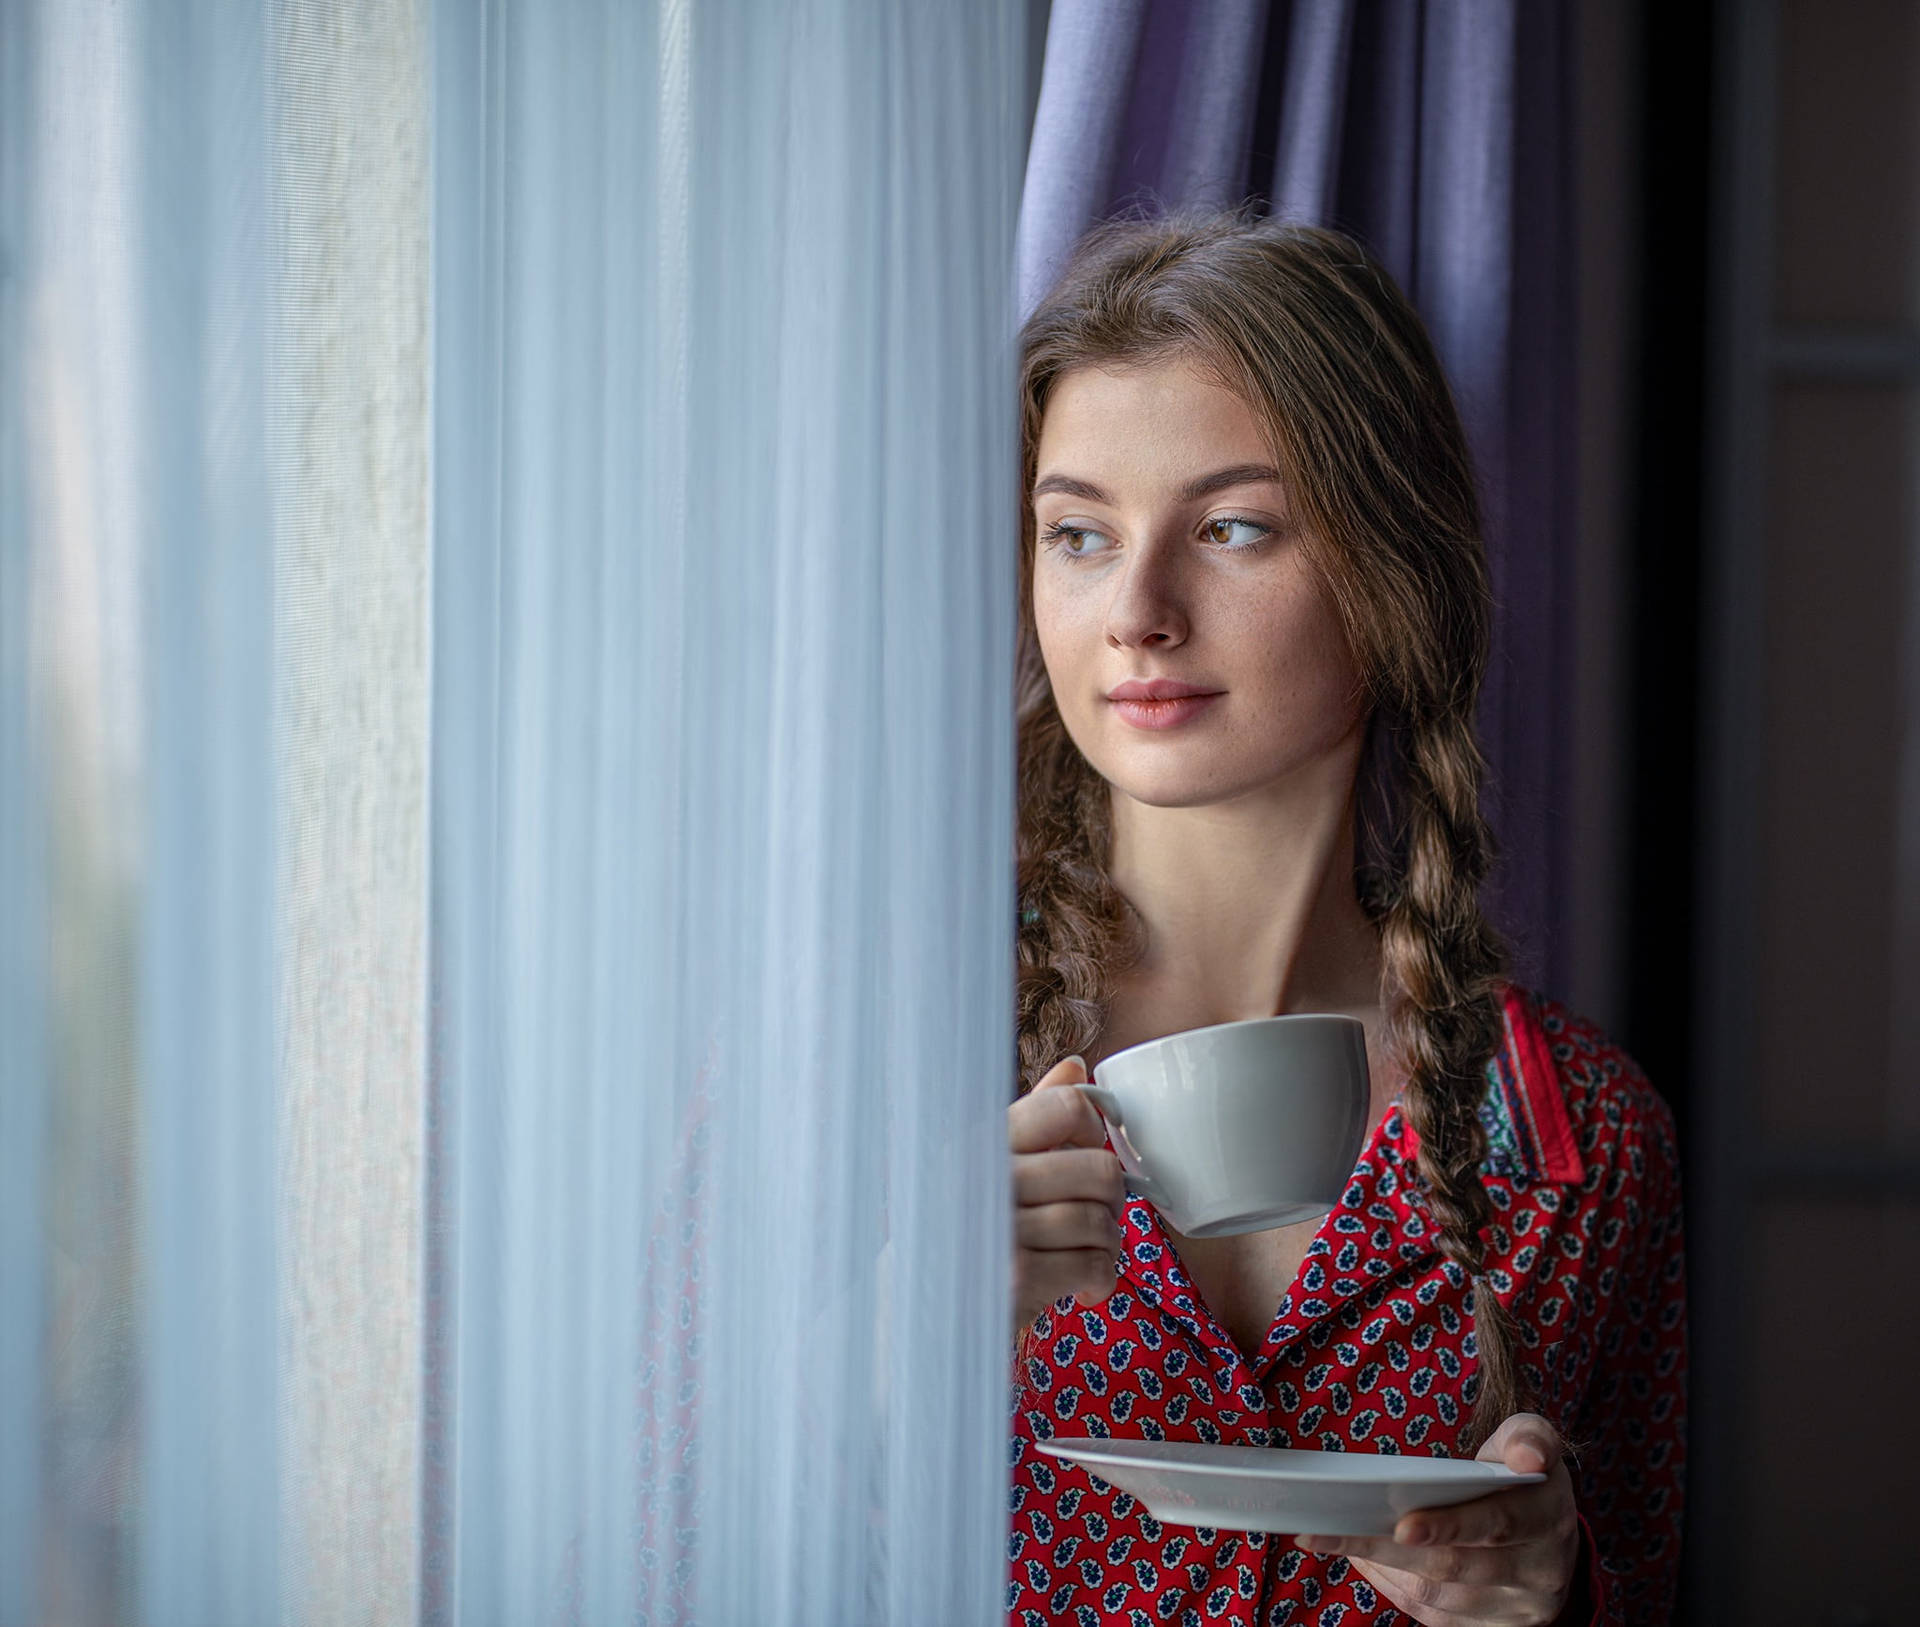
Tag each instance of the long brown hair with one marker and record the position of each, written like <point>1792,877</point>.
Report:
<point>1306,327</point>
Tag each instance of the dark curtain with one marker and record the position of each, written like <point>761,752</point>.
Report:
<point>1437,133</point>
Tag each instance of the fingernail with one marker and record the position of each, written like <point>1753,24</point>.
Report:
<point>1077,1057</point>
<point>1305,1542</point>
<point>1417,1534</point>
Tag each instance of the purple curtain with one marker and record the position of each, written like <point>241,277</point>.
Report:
<point>1435,131</point>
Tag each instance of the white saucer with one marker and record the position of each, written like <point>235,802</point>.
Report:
<point>1277,1488</point>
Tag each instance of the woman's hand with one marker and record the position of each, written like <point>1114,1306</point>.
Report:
<point>1070,1199</point>
<point>1507,1558</point>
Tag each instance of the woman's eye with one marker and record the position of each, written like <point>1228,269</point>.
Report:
<point>1069,539</point>
<point>1223,529</point>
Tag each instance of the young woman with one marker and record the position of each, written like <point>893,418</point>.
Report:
<point>1254,622</point>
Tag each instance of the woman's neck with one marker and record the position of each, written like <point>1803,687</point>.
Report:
<point>1249,905</point>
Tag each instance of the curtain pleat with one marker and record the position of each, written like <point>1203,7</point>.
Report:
<point>1190,118</point>
<point>27,887</point>
<point>348,383</point>
<point>1093,47</point>
<point>196,253</point>
<point>1312,118</point>
<point>72,634</point>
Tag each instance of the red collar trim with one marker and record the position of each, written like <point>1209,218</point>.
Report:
<point>1529,1134</point>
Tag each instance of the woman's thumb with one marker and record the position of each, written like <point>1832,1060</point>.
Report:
<point>1069,1070</point>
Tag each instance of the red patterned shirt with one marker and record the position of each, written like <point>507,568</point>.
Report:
<point>1372,1350</point>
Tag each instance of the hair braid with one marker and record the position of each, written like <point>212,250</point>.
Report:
<point>1441,966</point>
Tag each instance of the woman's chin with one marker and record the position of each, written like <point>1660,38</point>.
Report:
<point>1170,785</point>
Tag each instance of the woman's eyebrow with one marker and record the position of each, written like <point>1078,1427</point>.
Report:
<point>1238,474</point>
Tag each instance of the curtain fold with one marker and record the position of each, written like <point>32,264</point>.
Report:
<point>203,556</point>
<point>1311,119</point>
<point>348,404</point>
<point>142,773</point>
<point>26,889</point>
<point>1438,134</point>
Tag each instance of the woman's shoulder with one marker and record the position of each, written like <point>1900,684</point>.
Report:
<point>1575,1070</point>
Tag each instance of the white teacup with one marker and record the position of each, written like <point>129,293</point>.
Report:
<point>1240,1126</point>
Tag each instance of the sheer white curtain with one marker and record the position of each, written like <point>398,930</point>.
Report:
<point>139,1367</point>
<point>505,809</point>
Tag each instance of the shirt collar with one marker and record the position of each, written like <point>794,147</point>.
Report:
<point>1524,1109</point>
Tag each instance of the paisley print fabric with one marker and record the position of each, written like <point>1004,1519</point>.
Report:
<point>1372,1350</point>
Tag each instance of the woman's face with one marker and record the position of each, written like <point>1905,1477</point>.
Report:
<point>1166,549</point>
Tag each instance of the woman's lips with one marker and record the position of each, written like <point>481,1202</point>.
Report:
<point>1167,714</point>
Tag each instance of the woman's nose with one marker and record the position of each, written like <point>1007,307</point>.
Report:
<point>1149,599</point>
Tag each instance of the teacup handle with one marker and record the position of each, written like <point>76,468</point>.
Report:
<point>1137,1179</point>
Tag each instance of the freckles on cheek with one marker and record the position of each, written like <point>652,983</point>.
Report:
<point>1061,627</point>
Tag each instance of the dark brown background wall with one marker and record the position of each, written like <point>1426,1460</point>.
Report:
<point>1766,967</point>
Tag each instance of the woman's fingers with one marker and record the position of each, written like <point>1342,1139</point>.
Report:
<point>1073,1225</point>
<point>1526,1443</point>
<point>1069,1195</point>
<point>1068,1070</point>
<point>1463,1567</point>
<point>1089,1173</point>
<point>1498,1520</point>
<point>1040,1278</point>
<point>1052,1116</point>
